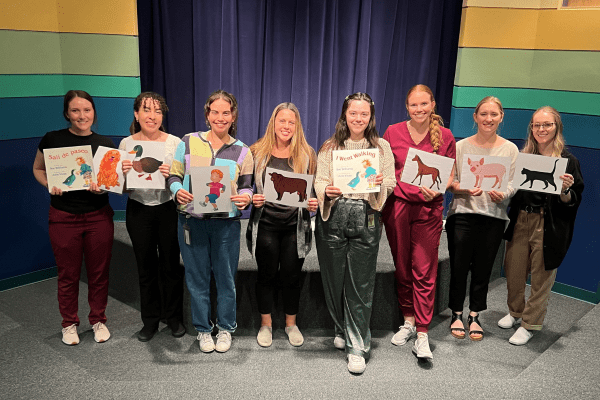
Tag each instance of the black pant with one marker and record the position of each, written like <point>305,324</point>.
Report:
<point>153,233</point>
<point>473,242</point>
<point>278,263</point>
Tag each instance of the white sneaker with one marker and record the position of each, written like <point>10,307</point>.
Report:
<point>508,321</point>
<point>520,337</point>
<point>421,347</point>
<point>223,341</point>
<point>101,333</point>
<point>356,364</point>
<point>265,336</point>
<point>70,335</point>
<point>339,343</point>
<point>205,342</point>
<point>406,332</point>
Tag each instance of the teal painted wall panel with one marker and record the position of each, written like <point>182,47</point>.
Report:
<point>58,85</point>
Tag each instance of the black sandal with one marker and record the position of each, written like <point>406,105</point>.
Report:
<point>474,319</point>
<point>456,317</point>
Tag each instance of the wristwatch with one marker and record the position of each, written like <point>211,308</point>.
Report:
<point>566,191</point>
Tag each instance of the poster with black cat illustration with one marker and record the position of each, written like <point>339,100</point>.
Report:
<point>539,173</point>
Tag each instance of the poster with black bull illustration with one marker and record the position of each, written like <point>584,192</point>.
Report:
<point>426,169</point>
<point>539,173</point>
<point>287,188</point>
<point>354,171</point>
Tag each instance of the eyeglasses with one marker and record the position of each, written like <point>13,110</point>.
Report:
<point>545,125</point>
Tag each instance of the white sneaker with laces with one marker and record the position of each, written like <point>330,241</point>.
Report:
<point>223,341</point>
<point>101,333</point>
<point>205,342</point>
<point>421,347</point>
<point>406,332</point>
<point>356,364</point>
<point>339,342</point>
<point>520,337</point>
<point>70,336</point>
<point>508,321</point>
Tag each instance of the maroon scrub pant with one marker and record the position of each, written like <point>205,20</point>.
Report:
<point>74,236</point>
<point>413,231</point>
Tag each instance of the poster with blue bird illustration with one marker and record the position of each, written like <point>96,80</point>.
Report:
<point>147,157</point>
<point>354,171</point>
<point>69,168</point>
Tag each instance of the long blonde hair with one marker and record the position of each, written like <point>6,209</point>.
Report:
<point>435,121</point>
<point>558,144</point>
<point>302,156</point>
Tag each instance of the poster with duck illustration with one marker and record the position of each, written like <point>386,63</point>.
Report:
<point>539,173</point>
<point>69,168</point>
<point>427,169</point>
<point>354,171</point>
<point>212,190</point>
<point>147,157</point>
<point>108,164</point>
<point>485,172</point>
<point>287,188</point>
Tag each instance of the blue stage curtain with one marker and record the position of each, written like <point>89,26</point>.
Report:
<point>310,52</point>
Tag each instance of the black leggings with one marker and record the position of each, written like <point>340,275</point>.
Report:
<point>473,242</point>
<point>278,265</point>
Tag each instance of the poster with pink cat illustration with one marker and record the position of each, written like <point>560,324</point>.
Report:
<point>485,172</point>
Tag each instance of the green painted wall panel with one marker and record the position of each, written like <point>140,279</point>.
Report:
<point>539,69</point>
<point>29,52</point>
<point>58,85</point>
<point>571,102</point>
<point>87,54</point>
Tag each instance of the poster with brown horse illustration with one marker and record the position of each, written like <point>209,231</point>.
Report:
<point>426,169</point>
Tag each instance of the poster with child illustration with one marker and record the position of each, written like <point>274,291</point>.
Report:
<point>69,168</point>
<point>354,171</point>
<point>108,166</point>
<point>211,187</point>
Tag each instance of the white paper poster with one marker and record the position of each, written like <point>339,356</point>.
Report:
<point>287,188</point>
<point>354,171</point>
<point>539,173</point>
<point>147,158</point>
<point>485,172</point>
<point>108,166</point>
<point>427,169</point>
<point>69,168</point>
<point>212,189</point>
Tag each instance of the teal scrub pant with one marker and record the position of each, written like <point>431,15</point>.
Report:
<point>347,246</point>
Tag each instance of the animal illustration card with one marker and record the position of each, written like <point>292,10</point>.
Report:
<point>108,166</point>
<point>539,173</point>
<point>287,188</point>
<point>354,171</point>
<point>69,168</point>
<point>147,158</point>
<point>427,169</point>
<point>212,190</point>
<point>485,172</point>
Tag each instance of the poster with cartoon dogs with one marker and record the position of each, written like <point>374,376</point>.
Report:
<point>539,173</point>
<point>287,188</point>
<point>354,171</point>
<point>485,172</point>
<point>108,166</point>
<point>211,187</point>
<point>426,169</point>
<point>69,168</point>
<point>147,158</point>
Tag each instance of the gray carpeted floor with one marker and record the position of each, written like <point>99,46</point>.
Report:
<point>562,360</point>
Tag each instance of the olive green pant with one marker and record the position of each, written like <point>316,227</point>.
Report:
<point>347,246</point>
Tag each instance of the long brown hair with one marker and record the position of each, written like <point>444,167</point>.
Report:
<point>435,121</point>
<point>139,101</point>
<point>228,97</point>
<point>302,156</point>
<point>342,133</point>
<point>558,145</point>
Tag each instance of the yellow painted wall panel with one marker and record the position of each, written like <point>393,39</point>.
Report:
<point>117,17</point>
<point>536,4</point>
<point>531,29</point>
<point>31,15</point>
